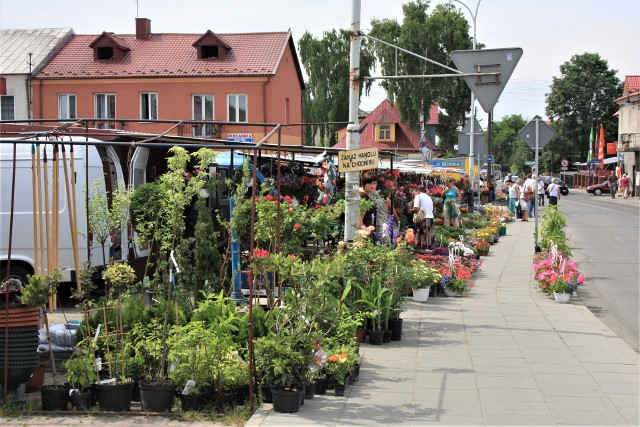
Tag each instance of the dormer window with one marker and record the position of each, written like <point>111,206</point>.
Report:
<point>105,52</point>
<point>208,51</point>
<point>210,46</point>
<point>108,47</point>
<point>385,132</point>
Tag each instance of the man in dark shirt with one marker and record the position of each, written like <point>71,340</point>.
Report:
<point>613,185</point>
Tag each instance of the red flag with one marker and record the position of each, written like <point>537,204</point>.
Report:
<point>601,146</point>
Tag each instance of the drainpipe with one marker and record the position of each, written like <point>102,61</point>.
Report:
<point>264,104</point>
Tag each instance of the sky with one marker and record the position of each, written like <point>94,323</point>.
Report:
<point>549,31</point>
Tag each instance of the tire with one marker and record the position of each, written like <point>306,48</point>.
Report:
<point>18,276</point>
<point>564,191</point>
<point>597,191</point>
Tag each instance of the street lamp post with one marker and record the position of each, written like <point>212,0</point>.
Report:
<point>474,15</point>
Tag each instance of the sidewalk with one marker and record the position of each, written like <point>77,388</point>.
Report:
<point>504,354</point>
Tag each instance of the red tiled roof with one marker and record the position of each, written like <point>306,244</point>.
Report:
<point>170,55</point>
<point>631,84</point>
<point>406,139</point>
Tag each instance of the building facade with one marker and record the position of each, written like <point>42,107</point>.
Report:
<point>628,145</point>
<point>240,78</point>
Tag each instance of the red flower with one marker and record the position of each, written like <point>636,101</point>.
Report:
<point>287,197</point>
<point>270,198</point>
<point>260,253</point>
<point>296,225</point>
<point>318,206</point>
<point>291,210</point>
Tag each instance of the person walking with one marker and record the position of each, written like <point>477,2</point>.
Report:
<point>369,186</point>
<point>540,193</point>
<point>512,191</point>
<point>491,185</point>
<point>554,192</point>
<point>451,195</point>
<point>529,193</point>
<point>425,230</point>
<point>524,204</point>
<point>613,185</point>
<point>624,184</point>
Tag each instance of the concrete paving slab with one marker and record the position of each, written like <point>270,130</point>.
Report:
<point>511,420</point>
<point>594,418</point>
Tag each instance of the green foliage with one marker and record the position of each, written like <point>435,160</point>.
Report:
<point>120,276</point>
<point>106,217</point>
<point>505,135</point>
<point>581,97</point>
<point>552,230</point>
<point>326,98</point>
<point>144,207</point>
<point>81,371</point>
<point>38,289</point>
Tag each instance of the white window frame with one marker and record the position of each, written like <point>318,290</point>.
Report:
<point>150,106</point>
<point>237,97</point>
<point>14,107</point>
<point>66,115</point>
<point>104,125</point>
<point>204,130</point>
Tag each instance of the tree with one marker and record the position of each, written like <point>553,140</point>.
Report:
<point>433,36</point>
<point>326,99</point>
<point>579,99</point>
<point>508,148</point>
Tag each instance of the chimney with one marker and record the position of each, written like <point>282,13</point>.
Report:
<point>143,28</point>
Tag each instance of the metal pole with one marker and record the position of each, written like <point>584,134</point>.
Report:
<point>537,175</point>
<point>352,196</point>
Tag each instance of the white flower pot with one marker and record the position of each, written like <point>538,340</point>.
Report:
<point>421,295</point>
<point>562,298</point>
<point>448,292</point>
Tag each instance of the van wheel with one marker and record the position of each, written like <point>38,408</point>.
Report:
<point>16,281</point>
<point>597,192</point>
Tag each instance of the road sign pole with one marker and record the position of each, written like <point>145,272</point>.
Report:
<point>537,175</point>
<point>471,147</point>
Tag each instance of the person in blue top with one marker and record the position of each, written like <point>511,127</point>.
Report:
<point>451,193</point>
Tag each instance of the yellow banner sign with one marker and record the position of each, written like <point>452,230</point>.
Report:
<point>358,160</point>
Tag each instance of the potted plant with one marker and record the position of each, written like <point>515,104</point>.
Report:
<point>422,278</point>
<point>338,367</point>
<point>81,373</point>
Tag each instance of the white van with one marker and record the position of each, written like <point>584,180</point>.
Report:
<point>101,164</point>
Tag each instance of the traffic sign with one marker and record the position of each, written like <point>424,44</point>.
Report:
<point>487,89</point>
<point>464,139</point>
<point>528,133</point>
<point>490,159</point>
<point>564,163</point>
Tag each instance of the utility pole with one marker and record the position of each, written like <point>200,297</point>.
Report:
<point>490,145</point>
<point>352,181</point>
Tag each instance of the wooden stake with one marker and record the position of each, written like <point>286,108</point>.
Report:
<point>76,251</point>
<point>41,230</point>
<point>72,219</point>
<point>48,221</point>
<point>34,209</point>
<point>56,215</point>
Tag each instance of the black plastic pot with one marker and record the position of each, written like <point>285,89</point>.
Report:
<point>192,402</point>
<point>157,395</point>
<point>286,401</point>
<point>310,390</point>
<point>376,337</point>
<point>54,398</point>
<point>135,395</point>
<point>356,372</point>
<point>266,394</point>
<point>242,395</point>
<point>386,337</point>
<point>81,401</point>
<point>338,389</point>
<point>116,398</point>
<point>396,328</point>
<point>321,386</point>
<point>223,401</point>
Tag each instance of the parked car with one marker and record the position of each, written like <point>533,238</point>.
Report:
<point>546,179</point>
<point>598,189</point>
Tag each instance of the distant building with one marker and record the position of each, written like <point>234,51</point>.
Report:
<point>240,78</point>
<point>383,128</point>
<point>22,54</point>
<point>629,128</point>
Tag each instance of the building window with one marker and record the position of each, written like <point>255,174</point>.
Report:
<point>208,51</point>
<point>202,110</point>
<point>105,108</point>
<point>149,106</point>
<point>105,52</point>
<point>66,106</point>
<point>384,133</point>
<point>7,111</point>
<point>237,110</point>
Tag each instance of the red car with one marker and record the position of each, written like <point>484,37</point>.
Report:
<point>599,189</point>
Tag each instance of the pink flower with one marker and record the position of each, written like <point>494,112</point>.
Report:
<point>581,279</point>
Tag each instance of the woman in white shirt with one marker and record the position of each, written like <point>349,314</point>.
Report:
<point>425,230</point>
<point>540,193</point>
<point>523,203</point>
<point>554,192</point>
<point>512,189</point>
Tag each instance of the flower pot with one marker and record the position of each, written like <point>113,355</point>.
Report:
<point>157,395</point>
<point>54,398</point>
<point>224,401</point>
<point>286,401</point>
<point>242,395</point>
<point>503,230</point>
<point>135,395</point>
<point>361,335</point>
<point>376,337</point>
<point>537,249</point>
<point>421,294</point>
<point>266,394</point>
<point>386,336</point>
<point>339,388</point>
<point>37,378</point>
<point>396,329</point>
<point>321,386</point>
<point>483,253</point>
<point>116,398</point>
<point>448,292</point>
<point>562,298</point>
<point>310,390</point>
<point>81,401</point>
<point>192,402</point>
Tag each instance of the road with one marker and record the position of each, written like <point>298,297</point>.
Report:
<point>605,238</point>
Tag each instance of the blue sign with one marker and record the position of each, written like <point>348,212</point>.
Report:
<point>595,161</point>
<point>489,159</point>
